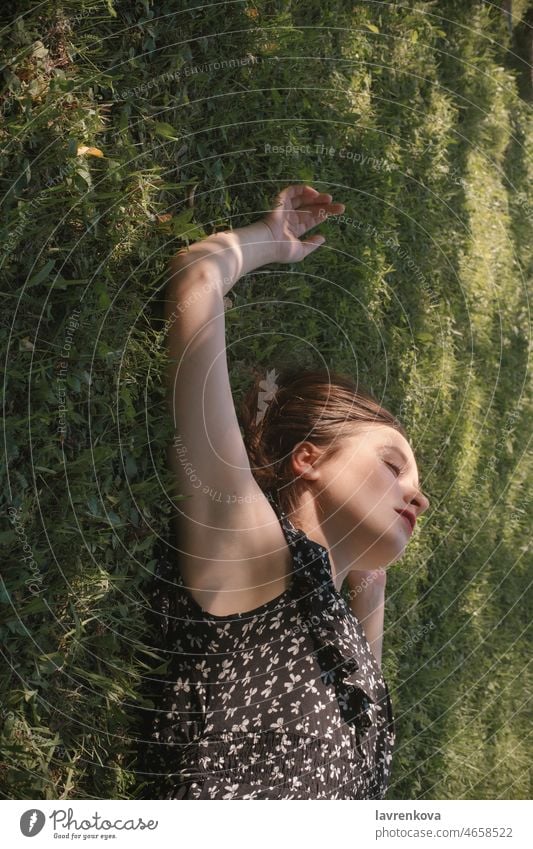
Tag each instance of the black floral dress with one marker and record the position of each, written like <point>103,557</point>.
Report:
<point>285,701</point>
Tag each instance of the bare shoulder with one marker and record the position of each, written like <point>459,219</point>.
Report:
<point>233,554</point>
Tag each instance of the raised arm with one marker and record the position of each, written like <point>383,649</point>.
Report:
<point>208,455</point>
<point>207,431</point>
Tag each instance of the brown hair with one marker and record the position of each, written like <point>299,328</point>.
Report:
<point>318,405</point>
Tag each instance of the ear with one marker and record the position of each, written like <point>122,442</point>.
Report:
<point>303,458</point>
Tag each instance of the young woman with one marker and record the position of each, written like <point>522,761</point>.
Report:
<point>274,688</point>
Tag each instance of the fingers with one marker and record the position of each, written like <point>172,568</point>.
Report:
<point>314,214</point>
<point>313,242</point>
<point>322,209</point>
<point>293,197</point>
<point>315,205</point>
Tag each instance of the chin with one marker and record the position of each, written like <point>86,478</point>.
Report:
<point>383,547</point>
<point>381,556</point>
<point>393,552</point>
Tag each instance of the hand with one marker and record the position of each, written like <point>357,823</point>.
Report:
<point>298,208</point>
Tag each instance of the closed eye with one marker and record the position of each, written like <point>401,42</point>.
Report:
<point>392,466</point>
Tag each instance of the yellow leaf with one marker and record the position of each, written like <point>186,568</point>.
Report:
<point>91,151</point>
<point>372,28</point>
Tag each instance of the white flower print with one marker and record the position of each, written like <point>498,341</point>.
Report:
<point>203,668</point>
<point>249,696</point>
<point>247,627</point>
<point>231,788</point>
<point>268,686</point>
<point>310,687</point>
<point>283,745</point>
<point>226,668</point>
<point>289,685</point>
<point>234,706</point>
<point>182,684</point>
<point>296,642</point>
<point>274,661</point>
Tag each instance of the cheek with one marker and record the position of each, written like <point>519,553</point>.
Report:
<point>378,481</point>
<point>374,500</point>
<point>371,491</point>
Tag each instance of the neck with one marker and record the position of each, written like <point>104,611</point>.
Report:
<point>309,518</point>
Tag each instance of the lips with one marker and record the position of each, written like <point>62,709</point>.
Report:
<point>411,518</point>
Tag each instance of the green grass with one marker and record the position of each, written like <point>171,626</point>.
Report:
<point>423,294</point>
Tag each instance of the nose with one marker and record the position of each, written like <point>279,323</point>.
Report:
<point>421,502</point>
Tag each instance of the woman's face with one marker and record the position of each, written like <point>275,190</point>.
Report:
<point>360,491</point>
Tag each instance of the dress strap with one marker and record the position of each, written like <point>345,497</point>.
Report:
<point>291,532</point>
<point>275,504</point>
<point>295,535</point>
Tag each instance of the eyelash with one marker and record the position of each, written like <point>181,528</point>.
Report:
<point>396,468</point>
